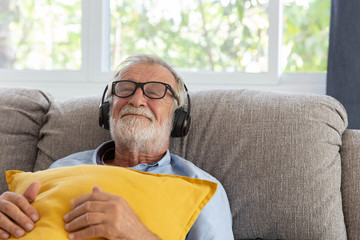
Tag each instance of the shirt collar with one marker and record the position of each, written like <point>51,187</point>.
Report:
<point>101,150</point>
<point>146,167</point>
<point>109,148</point>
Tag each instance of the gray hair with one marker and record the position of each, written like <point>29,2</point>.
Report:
<point>151,59</point>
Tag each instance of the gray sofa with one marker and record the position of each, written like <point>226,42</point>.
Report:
<point>290,167</point>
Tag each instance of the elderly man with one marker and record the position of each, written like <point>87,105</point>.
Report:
<point>145,93</point>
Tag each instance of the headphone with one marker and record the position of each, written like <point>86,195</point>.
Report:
<point>181,123</point>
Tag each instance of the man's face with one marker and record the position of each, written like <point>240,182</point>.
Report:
<point>138,118</point>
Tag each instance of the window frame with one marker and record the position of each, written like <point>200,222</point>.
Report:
<point>95,73</point>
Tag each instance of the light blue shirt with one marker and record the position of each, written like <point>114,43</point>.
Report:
<point>214,221</point>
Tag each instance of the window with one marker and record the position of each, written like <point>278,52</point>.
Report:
<point>203,35</point>
<point>306,34</point>
<point>223,43</point>
<point>41,36</point>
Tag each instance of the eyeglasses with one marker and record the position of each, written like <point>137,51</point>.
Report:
<point>152,90</point>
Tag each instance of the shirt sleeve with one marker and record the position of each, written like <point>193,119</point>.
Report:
<point>215,220</point>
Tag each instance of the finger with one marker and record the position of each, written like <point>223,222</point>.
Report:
<point>96,195</point>
<point>4,235</point>
<point>74,203</point>
<point>9,227</point>
<point>87,207</point>
<point>90,232</point>
<point>19,207</point>
<point>12,208</point>
<point>96,189</point>
<point>30,194</point>
<point>32,191</point>
<point>84,221</point>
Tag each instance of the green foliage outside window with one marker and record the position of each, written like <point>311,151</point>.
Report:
<point>306,35</point>
<point>195,35</point>
<point>40,34</point>
<point>201,35</point>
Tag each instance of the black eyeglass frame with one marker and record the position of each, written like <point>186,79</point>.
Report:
<point>141,85</point>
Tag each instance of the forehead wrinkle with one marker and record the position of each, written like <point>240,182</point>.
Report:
<point>134,75</point>
<point>145,72</point>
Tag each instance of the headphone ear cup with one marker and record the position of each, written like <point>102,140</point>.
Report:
<point>181,123</point>
<point>104,110</point>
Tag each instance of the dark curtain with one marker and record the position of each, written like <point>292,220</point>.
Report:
<point>343,73</point>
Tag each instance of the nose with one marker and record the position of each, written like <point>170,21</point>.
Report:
<point>138,99</point>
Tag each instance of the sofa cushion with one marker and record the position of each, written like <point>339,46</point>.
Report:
<point>21,117</point>
<point>70,126</point>
<point>277,156</point>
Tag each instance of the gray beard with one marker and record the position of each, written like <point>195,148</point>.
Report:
<point>137,135</point>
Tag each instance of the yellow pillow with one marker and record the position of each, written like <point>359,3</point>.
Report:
<point>168,205</point>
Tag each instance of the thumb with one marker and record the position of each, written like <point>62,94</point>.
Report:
<point>32,191</point>
<point>96,189</point>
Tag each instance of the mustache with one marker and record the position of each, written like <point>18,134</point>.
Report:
<point>138,111</point>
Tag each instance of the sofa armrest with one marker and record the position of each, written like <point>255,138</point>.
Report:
<point>21,118</point>
<point>350,184</point>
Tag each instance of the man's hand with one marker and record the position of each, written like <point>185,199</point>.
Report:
<point>101,214</point>
<point>17,216</point>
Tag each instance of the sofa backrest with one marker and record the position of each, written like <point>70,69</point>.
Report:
<point>276,154</point>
